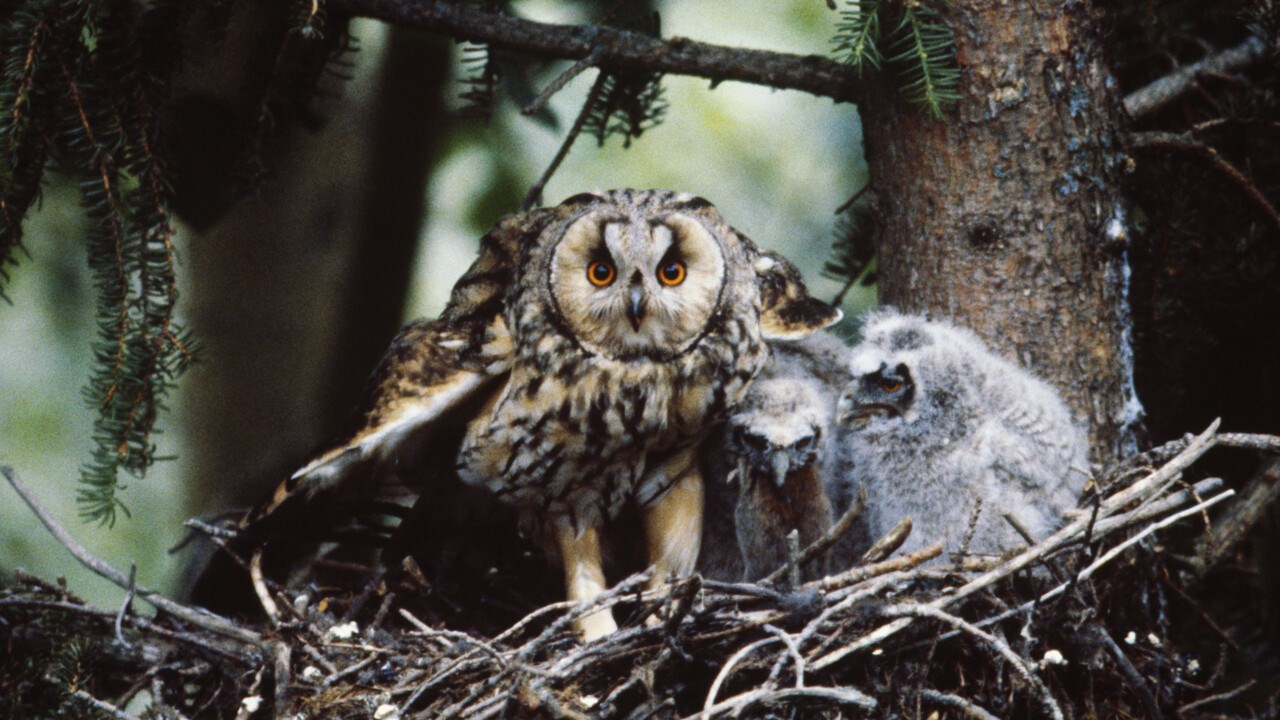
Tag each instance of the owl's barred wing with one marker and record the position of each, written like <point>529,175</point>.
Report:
<point>787,311</point>
<point>431,370</point>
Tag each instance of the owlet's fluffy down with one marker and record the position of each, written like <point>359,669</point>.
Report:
<point>933,423</point>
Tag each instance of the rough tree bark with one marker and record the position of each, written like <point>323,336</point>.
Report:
<point>1007,216</point>
<point>297,289</point>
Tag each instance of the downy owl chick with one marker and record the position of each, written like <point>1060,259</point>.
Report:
<point>765,466</point>
<point>934,423</point>
<point>579,364</point>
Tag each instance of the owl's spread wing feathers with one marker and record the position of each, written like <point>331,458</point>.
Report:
<point>432,369</point>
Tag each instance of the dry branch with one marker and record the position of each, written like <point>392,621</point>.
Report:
<point>1156,95</point>
<point>617,49</point>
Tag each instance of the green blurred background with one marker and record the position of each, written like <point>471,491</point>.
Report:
<point>776,164</point>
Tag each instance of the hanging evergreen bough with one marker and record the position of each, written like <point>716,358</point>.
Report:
<point>853,251</point>
<point>82,82</point>
<point>908,37</point>
<point>629,104</point>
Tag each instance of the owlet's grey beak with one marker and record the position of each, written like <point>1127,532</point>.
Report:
<point>780,464</point>
<point>635,308</point>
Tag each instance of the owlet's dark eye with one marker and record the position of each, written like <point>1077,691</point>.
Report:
<point>890,386</point>
<point>601,273</point>
<point>671,273</point>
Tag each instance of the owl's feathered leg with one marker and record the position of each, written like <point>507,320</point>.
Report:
<point>673,528</point>
<point>584,578</point>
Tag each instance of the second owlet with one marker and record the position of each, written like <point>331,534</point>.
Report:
<point>934,423</point>
<point>579,364</point>
<point>765,467</point>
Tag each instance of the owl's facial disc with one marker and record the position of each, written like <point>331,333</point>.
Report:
<point>884,393</point>
<point>632,287</point>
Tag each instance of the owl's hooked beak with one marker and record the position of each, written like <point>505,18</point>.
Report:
<point>635,308</point>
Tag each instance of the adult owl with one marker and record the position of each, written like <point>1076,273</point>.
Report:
<point>765,466</point>
<point>579,363</point>
<point>933,423</point>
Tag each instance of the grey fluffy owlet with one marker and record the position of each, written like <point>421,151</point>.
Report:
<point>579,364</point>
<point>933,423</point>
<point>764,467</point>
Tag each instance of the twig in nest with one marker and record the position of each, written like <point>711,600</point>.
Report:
<point>1216,698</point>
<point>793,652</point>
<point>1135,678</point>
<point>832,536</point>
<point>892,540</point>
<point>866,572</point>
<point>737,703</point>
<point>1265,443</point>
<point>199,618</point>
<point>533,198</point>
<point>1000,647</point>
<point>260,588</point>
<point>96,704</point>
<point>727,669</point>
<point>1142,489</point>
<point>126,606</point>
<point>956,702</point>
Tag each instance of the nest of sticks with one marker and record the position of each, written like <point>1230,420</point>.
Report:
<point>1102,619</point>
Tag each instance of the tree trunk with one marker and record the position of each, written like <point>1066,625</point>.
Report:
<point>296,290</point>
<point>1007,216</point>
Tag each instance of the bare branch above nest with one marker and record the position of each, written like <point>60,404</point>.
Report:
<point>618,49</point>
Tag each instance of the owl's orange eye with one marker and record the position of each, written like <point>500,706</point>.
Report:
<point>891,386</point>
<point>601,273</point>
<point>671,273</point>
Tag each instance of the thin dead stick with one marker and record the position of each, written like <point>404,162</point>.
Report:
<point>260,588</point>
<point>1086,573</point>
<point>199,618</point>
<point>127,604</point>
<point>729,665</point>
<point>825,542</point>
<point>841,695</point>
<point>1216,698</point>
<point>1250,441</point>
<point>1138,682</point>
<point>793,651</point>
<point>1157,94</point>
<point>1000,647</point>
<point>1066,535</point>
<point>866,572</point>
<point>1188,143</point>
<point>1198,446</point>
<point>958,703</point>
<point>892,540</point>
<point>534,196</point>
<point>561,80</point>
<point>96,704</point>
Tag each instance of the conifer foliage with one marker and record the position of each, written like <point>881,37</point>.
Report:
<point>82,84</point>
<point>908,37</point>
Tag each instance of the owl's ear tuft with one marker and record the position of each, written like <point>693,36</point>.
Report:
<point>787,310</point>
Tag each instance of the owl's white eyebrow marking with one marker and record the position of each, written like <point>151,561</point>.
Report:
<point>612,235</point>
<point>663,237</point>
